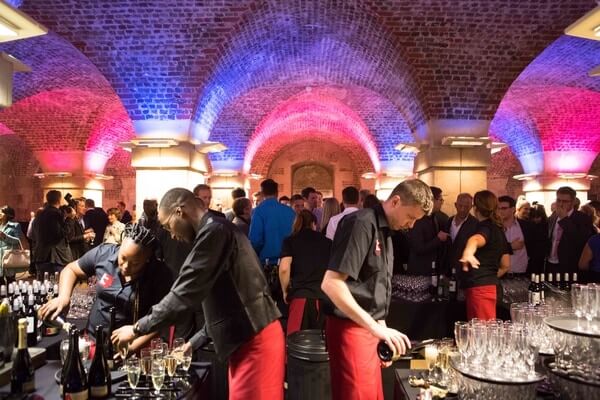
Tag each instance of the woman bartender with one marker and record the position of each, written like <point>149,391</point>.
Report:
<point>129,278</point>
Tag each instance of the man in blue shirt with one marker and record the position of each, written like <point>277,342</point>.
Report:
<point>271,223</point>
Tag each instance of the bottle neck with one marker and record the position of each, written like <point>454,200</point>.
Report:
<point>22,337</point>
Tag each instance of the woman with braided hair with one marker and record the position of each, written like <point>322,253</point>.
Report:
<point>129,277</point>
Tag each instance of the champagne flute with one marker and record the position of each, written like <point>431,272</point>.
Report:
<point>158,375</point>
<point>431,356</point>
<point>146,361</point>
<point>170,365</point>
<point>186,360</point>
<point>133,368</point>
<point>155,343</point>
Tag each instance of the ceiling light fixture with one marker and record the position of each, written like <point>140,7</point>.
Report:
<point>369,175</point>
<point>7,28</point>
<point>407,148</point>
<point>586,27</point>
<point>42,175</point>
<point>15,24</point>
<point>211,147</point>
<point>465,141</point>
<point>527,177</point>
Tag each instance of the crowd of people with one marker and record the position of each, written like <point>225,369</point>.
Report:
<point>270,266</point>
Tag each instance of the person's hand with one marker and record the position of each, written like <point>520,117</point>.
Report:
<point>517,244</point>
<point>469,260</point>
<point>123,335</point>
<point>187,347</point>
<point>561,211</point>
<point>88,235</point>
<point>394,339</point>
<point>443,236</point>
<point>285,300</point>
<point>53,308</point>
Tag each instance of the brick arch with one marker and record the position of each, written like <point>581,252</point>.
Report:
<point>549,115</point>
<point>307,116</point>
<point>65,103</point>
<point>301,43</point>
<point>239,119</point>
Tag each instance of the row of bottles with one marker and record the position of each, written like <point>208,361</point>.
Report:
<point>75,384</point>
<point>442,287</point>
<point>537,288</point>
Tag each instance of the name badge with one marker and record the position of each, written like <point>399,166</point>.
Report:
<point>106,280</point>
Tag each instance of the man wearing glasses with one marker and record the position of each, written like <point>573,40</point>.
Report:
<point>568,230</point>
<point>222,276</point>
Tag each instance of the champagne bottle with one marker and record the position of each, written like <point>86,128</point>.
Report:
<point>557,281</point>
<point>22,377</point>
<point>452,286</point>
<point>73,379</point>
<point>110,349</point>
<point>53,326</point>
<point>550,278</point>
<point>566,282</point>
<point>574,278</point>
<point>99,376</point>
<point>3,292</point>
<point>32,322</point>
<point>531,289</point>
<point>386,354</point>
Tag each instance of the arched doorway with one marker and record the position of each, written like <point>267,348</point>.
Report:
<point>317,175</point>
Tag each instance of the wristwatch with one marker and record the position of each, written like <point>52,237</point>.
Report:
<point>136,329</point>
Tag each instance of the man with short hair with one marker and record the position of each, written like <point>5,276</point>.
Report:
<point>97,219</point>
<point>242,208</point>
<point>257,198</point>
<point>271,223</point>
<point>223,277</point>
<point>519,234</point>
<point>350,197</point>
<point>523,207</point>
<point>358,283</point>
<point>52,252</point>
<point>427,239</point>
<point>568,231</point>
<point>237,193</point>
<point>297,203</point>
<point>204,193</point>
<point>311,199</point>
<point>125,215</point>
<point>284,200</point>
<point>363,193</point>
<point>461,227</point>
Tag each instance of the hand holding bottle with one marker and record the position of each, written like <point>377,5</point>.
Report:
<point>54,308</point>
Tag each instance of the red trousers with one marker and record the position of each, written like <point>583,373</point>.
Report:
<point>354,366</point>
<point>296,314</point>
<point>257,368</point>
<point>481,302</point>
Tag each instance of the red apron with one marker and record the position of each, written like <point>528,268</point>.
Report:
<point>481,302</point>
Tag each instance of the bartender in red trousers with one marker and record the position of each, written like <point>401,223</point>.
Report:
<point>358,282</point>
<point>223,276</point>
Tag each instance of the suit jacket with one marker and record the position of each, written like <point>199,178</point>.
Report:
<point>96,219</point>
<point>577,229</point>
<point>456,247</point>
<point>536,243</point>
<point>424,245</point>
<point>74,233</point>
<point>52,246</point>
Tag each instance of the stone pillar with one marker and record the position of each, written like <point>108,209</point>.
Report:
<point>77,172</point>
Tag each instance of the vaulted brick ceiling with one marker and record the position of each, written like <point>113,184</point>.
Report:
<point>227,65</point>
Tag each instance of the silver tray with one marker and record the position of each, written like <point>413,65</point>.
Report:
<point>525,380</point>
<point>568,324</point>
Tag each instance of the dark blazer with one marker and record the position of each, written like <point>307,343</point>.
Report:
<point>536,244</point>
<point>577,229</point>
<point>126,217</point>
<point>424,246</point>
<point>456,247</point>
<point>52,246</point>
<point>96,219</point>
<point>74,233</point>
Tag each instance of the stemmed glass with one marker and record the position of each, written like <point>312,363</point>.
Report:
<point>158,375</point>
<point>577,301</point>
<point>461,333</point>
<point>133,369</point>
<point>146,361</point>
<point>431,356</point>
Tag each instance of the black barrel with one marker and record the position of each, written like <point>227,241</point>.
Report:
<point>307,366</point>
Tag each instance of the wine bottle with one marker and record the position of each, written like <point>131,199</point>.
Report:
<point>3,292</point>
<point>53,326</point>
<point>566,282</point>
<point>550,278</point>
<point>110,348</point>
<point>11,292</point>
<point>32,322</point>
<point>452,286</point>
<point>99,376</point>
<point>531,289</point>
<point>574,278</point>
<point>73,380</point>
<point>535,295</point>
<point>22,377</point>
<point>542,290</point>
<point>434,281</point>
<point>557,281</point>
<point>385,353</point>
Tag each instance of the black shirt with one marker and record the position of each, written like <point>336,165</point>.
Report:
<point>310,254</point>
<point>132,299</point>
<point>362,249</point>
<point>489,256</point>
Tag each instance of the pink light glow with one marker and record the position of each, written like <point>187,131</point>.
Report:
<point>294,120</point>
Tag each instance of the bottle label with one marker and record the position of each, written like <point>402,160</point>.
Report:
<point>434,280</point>
<point>30,325</point>
<point>452,286</point>
<point>98,391</point>
<point>83,395</point>
<point>535,298</point>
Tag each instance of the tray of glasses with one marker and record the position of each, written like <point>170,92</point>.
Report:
<point>569,324</point>
<point>577,384</point>
<point>529,379</point>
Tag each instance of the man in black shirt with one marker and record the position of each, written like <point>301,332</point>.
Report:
<point>223,276</point>
<point>358,282</point>
<point>129,278</point>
